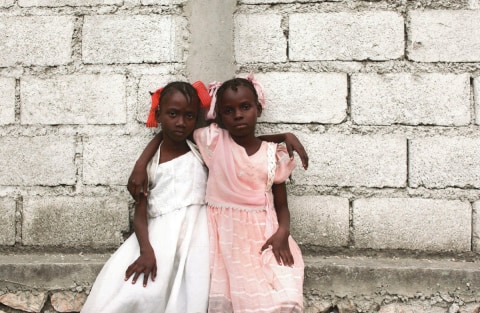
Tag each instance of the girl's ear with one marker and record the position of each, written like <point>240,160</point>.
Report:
<point>259,109</point>
<point>157,115</point>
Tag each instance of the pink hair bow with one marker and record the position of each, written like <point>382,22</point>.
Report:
<point>212,91</point>
<point>259,88</point>
<point>213,88</point>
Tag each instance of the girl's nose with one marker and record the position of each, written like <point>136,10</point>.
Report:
<point>180,121</point>
<point>238,114</point>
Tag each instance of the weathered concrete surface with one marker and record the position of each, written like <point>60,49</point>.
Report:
<point>49,271</point>
<point>7,221</point>
<point>441,161</point>
<point>63,100</point>
<point>476,96</point>
<point>109,160</point>
<point>407,277</point>
<point>7,100</point>
<point>307,98</point>
<point>320,220</point>
<point>21,158</point>
<point>412,99</point>
<point>36,40</point>
<point>253,45</point>
<point>346,283</point>
<point>346,36</point>
<point>74,221</point>
<point>138,39</point>
<point>441,35</point>
<point>413,224</point>
<point>354,160</point>
<point>210,57</point>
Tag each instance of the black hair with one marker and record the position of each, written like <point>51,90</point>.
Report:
<point>234,84</point>
<point>184,88</point>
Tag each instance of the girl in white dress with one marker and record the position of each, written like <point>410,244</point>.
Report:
<point>170,243</point>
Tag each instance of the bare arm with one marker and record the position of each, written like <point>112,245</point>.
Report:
<point>292,143</point>
<point>138,180</point>
<point>146,263</point>
<point>279,240</point>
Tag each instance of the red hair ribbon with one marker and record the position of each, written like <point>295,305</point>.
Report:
<point>202,93</point>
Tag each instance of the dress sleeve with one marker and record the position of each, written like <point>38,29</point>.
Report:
<point>284,166</point>
<point>206,139</point>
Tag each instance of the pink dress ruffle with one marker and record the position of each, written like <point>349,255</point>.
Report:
<point>241,218</point>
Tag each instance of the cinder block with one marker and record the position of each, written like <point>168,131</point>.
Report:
<point>109,160</point>
<point>354,160</point>
<point>259,38</point>
<point>412,99</point>
<point>74,221</point>
<point>412,224</point>
<point>70,3</point>
<point>73,99</point>
<point>40,160</point>
<point>7,100</point>
<point>476,96</point>
<point>110,39</point>
<point>278,1</point>
<point>6,3</point>
<point>147,84</point>
<point>162,2</point>
<point>36,40</point>
<point>440,162</point>
<point>375,35</point>
<point>476,227</point>
<point>7,221</point>
<point>441,35</point>
<point>319,220</point>
<point>306,98</point>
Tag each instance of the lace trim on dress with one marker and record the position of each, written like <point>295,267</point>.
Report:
<point>271,164</point>
<point>236,207</point>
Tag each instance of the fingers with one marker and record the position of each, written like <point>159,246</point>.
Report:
<point>265,247</point>
<point>145,188</point>
<point>154,272</point>
<point>128,272</point>
<point>290,149</point>
<point>303,155</point>
<point>131,188</point>
<point>287,259</point>
<point>135,277</point>
<point>277,257</point>
<point>145,278</point>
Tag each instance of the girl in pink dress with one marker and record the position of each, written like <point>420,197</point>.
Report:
<point>255,264</point>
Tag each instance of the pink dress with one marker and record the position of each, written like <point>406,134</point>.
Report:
<point>241,218</point>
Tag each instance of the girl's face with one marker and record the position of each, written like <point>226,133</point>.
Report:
<point>239,111</point>
<point>177,116</point>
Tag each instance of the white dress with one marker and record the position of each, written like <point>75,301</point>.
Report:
<point>178,233</point>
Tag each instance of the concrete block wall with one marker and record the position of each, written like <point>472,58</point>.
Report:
<point>74,91</point>
<point>385,96</point>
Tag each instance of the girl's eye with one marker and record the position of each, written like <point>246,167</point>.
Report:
<point>190,116</point>
<point>172,114</point>
<point>227,110</point>
<point>246,106</point>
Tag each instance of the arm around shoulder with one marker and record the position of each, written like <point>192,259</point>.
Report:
<point>138,180</point>
<point>291,142</point>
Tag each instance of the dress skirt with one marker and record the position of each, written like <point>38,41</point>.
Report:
<point>180,242</point>
<point>243,279</point>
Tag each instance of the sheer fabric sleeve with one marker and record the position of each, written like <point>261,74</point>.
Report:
<point>284,165</point>
<point>206,139</point>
